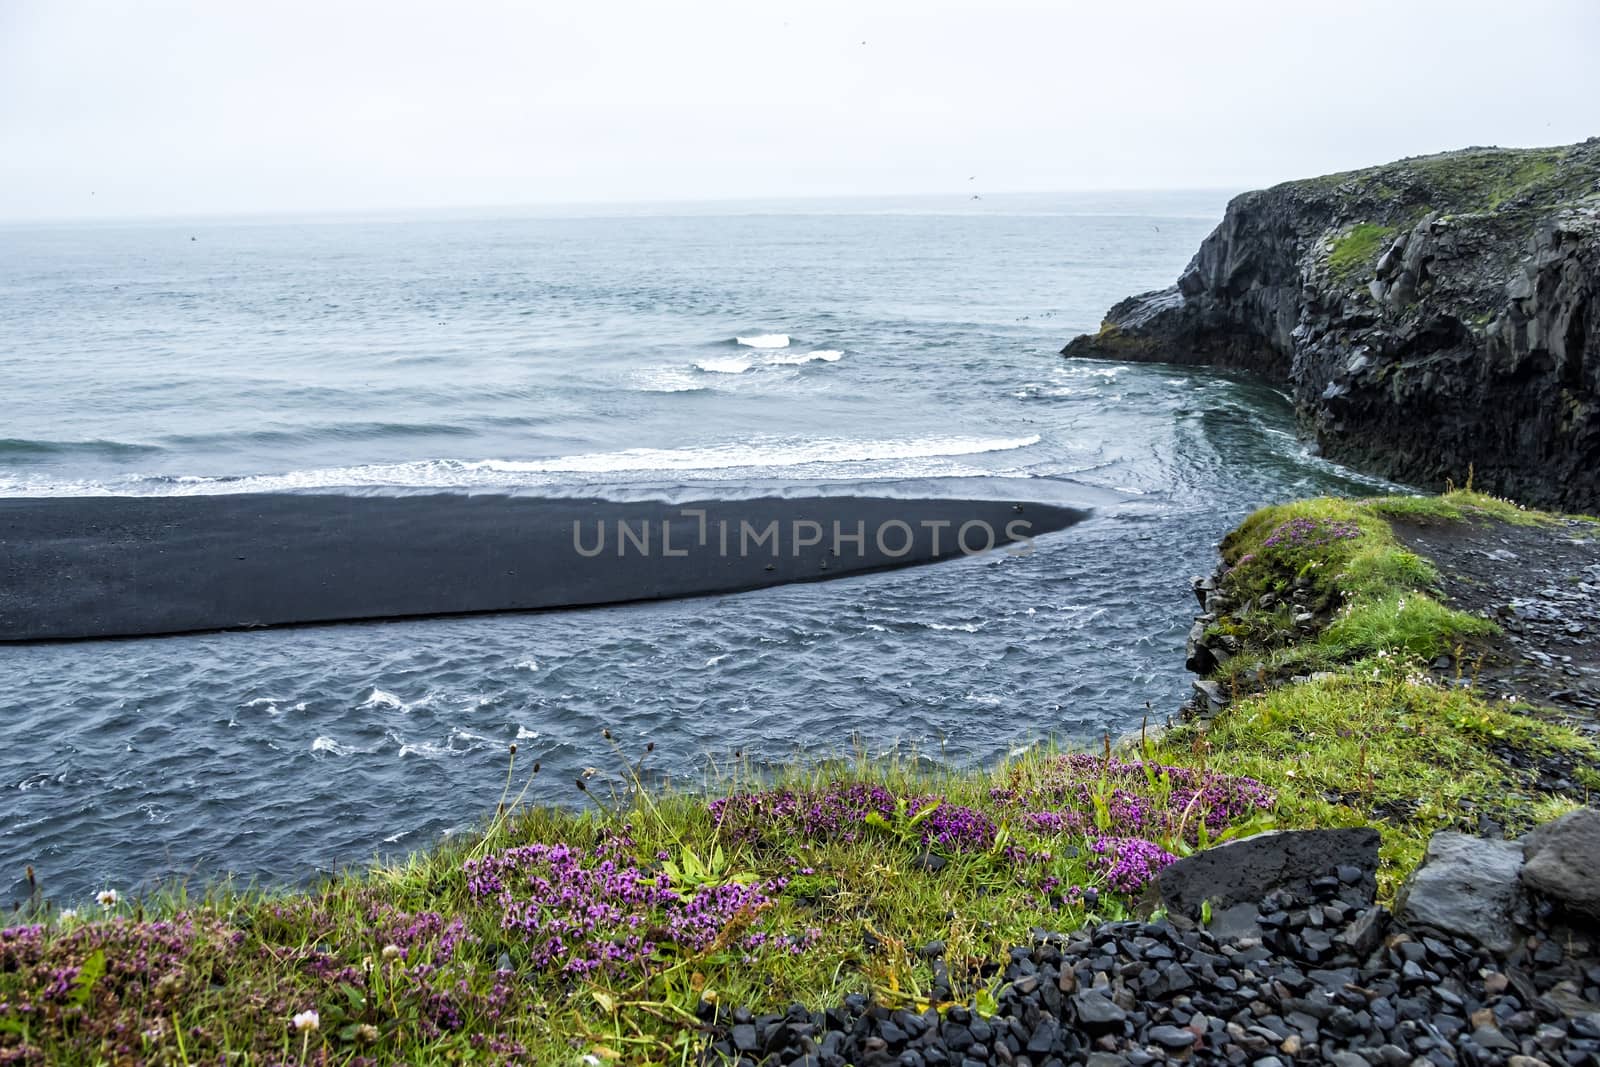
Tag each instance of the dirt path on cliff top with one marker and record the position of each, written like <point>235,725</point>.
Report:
<point>1541,585</point>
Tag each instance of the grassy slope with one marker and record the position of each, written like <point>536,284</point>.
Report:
<point>405,962</point>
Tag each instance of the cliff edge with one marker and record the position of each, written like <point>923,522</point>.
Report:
<point>1433,318</point>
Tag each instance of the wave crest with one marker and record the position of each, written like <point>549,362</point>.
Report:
<point>826,355</point>
<point>761,454</point>
<point>791,452</point>
<point>732,365</point>
<point>764,340</point>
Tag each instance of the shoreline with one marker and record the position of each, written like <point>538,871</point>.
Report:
<point>830,881</point>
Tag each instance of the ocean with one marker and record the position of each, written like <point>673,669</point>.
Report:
<point>674,351</point>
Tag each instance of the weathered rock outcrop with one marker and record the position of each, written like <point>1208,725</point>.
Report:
<point>1496,892</point>
<point>1432,317</point>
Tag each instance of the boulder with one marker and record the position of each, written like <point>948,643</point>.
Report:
<point>1563,862</point>
<point>1467,886</point>
<point>1208,698</point>
<point>1245,870</point>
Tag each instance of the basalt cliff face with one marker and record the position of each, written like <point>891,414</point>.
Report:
<point>1432,318</point>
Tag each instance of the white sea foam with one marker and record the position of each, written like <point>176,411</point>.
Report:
<point>826,355</point>
<point>765,340</point>
<point>330,746</point>
<point>382,698</point>
<point>964,627</point>
<point>784,452</point>
<point>762,453</point>
<point>731,365</point>
<point>667,380</point>
<point>714,660</point>
<point>526,665</point>
<point>524,734</point>
<point>273,705</point>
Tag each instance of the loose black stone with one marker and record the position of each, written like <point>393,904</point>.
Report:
<point>1172,1037</point>
<point>1113,994</point>
<point>744,1037</point>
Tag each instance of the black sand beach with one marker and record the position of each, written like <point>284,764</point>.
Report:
<point>90,567</point>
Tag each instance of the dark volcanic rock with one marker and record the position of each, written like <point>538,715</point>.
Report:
<point>1432,317</point>
<point>1467,886</point>
<point>1246,870</point>
<point>1563,862</point>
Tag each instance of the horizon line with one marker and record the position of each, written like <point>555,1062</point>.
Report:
<point>417,211</point>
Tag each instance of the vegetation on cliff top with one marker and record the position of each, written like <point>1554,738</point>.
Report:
<point>1468,181</point>
<point>604,935</point>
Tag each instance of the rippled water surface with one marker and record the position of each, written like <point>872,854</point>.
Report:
<point>905,346</point>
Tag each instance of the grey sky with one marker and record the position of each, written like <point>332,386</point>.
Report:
<point>210,106</point>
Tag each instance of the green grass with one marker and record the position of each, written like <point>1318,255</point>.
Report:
<point>1371,592</point>
<point>227,971</point>
<point>1355,252</point>
<point>1459,505</point>
<point>1407,623</point>
<point>1370,738</point>
<point>1380,743</point>
<point>1369,735</point>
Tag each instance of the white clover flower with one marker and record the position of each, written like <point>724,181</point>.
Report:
<point>306,1020</point>
<point>67,915</point>
<point>391,953</point>
<point>108,898</point>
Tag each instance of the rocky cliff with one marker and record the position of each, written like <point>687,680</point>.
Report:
<point>1433,318</point>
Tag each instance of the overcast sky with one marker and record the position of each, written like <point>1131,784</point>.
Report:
<point>209,106</point>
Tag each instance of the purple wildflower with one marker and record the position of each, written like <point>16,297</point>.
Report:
<point>1127,863</point>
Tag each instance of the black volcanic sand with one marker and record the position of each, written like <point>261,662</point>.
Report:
<point>82,567</point>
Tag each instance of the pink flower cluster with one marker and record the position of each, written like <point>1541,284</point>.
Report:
<point>835,813</point>
<point>1139,800</point>
<point>581,911</point>
<point>839,812</point>
<point>1127,863</point>
<point>953,828</point>
<point>1311,533</point>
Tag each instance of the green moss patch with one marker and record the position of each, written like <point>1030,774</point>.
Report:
<point>1355,252</point>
